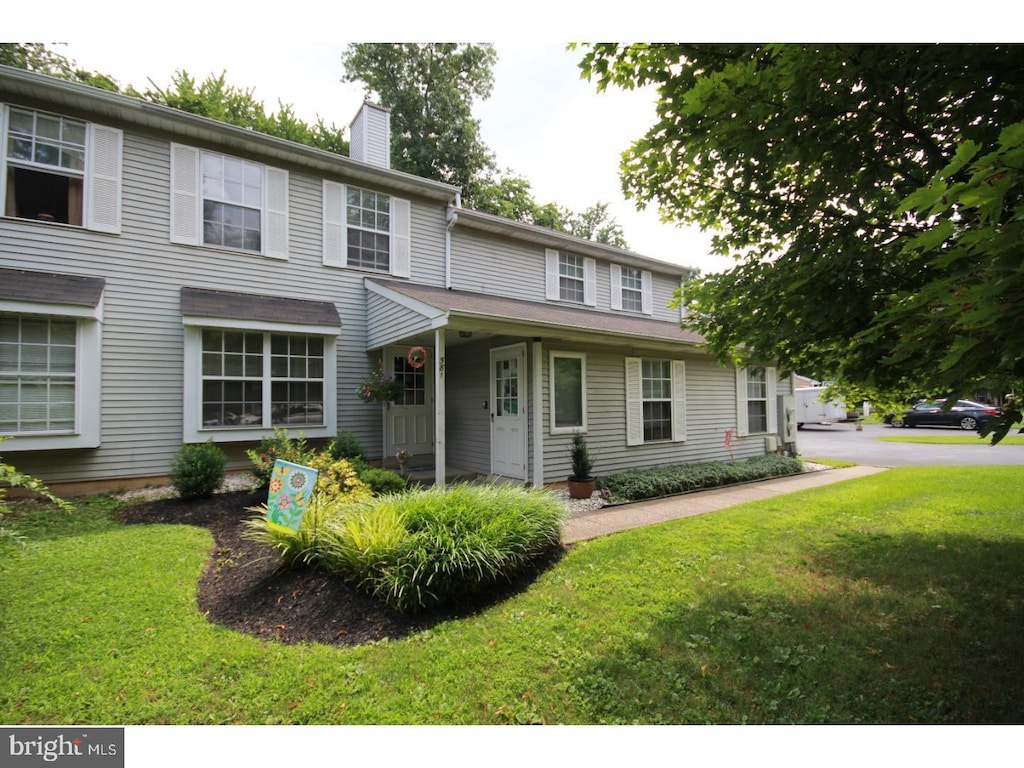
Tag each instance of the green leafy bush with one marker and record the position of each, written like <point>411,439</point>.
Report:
<point>382,481</point>
<point>636,484</point>
<point>428,547</point>
<point>280,446</point>
<point>197,470</point>
<point>12,478</point>
<point>346,446</point>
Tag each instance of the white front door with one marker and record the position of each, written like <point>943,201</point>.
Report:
<point>410,420</point>
<point>508,411</point>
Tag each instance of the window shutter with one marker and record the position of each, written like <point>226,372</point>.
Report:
<point>335,233</point>
<point>741,402</point>
<point>401,237</point>
<point>634,402</point>
<point>648,293</point>
<point>590,282</point>
<point>770,379</point>
<point>616,286</point>
<point>276,239</point>
<point>103,179</point>
<point>3,159</point>
<point>551,273</point>
<point>185,213</point>
<point>678,401</point>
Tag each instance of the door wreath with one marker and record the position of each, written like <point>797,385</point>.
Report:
<point>417,357</point>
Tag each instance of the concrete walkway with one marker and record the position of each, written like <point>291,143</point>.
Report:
<point>590,525</point>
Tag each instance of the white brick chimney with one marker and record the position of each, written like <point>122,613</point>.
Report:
<point>370,135</point>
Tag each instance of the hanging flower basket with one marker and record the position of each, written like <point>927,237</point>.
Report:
<point>380,388</point>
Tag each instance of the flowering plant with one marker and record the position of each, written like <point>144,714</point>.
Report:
<point>380,388</point>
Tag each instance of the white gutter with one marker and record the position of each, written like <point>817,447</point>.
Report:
<point>452,217</point>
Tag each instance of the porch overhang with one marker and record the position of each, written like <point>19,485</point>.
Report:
<point>401,312</point>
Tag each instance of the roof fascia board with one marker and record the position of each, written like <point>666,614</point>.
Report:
<point>548,237</point>
<point>128,109</point>
<point>438,317</point>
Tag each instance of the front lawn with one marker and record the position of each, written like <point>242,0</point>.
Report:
<point>897,598</point>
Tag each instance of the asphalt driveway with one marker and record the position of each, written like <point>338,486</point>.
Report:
<point>843,442</point>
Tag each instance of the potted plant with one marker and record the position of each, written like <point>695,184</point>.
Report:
<point>581,482</point>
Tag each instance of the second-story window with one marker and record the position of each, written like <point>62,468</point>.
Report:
<point>632,289</point>
<point>368,215</point>
<point>60,170</point>
<point>232,202</point>
<point>220,201</point>
<point>570,278</point>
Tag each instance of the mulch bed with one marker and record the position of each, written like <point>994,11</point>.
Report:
<point>244,587</point>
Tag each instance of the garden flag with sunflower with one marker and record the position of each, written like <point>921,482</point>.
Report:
<point>291,486</point>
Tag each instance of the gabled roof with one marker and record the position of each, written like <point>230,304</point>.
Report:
<point>464,309</point>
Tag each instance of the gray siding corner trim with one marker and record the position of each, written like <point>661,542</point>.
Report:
<point>50,288</point>
<point>199,302</point>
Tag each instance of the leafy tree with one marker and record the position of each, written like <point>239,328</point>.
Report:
<point>430,88</point>
<point>36,57</point>
<point>872,195</point>
<point>215,98</point>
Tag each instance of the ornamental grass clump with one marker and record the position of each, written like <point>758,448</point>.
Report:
<point>425,548</point>
<point>433,547</point>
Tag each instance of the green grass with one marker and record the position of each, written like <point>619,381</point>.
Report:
<point>897,598</point>
<point>833,463</point>
<point>971,439</point>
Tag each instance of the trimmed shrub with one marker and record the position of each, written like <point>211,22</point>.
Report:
<point>346,446</point>
<point>634,485</point>
<point>425,548</point>
<point>338,478</point>
<point>382,481</point>
<point>197,470</point>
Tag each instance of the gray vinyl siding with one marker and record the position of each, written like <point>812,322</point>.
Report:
<point>389,323</point>
<point>483,263</point>
<point>710,410</point>
<point>142,350</point>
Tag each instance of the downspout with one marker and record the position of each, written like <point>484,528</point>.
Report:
<point>452,217</point>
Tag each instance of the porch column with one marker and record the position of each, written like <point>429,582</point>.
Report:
<point>439,409</point>
<point>538,414</point>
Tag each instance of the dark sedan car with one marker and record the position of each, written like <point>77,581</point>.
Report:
<point>966,414</point>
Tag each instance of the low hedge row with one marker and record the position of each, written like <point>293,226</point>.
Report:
<point>637,484</point>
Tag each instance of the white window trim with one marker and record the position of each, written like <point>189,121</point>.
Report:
<point>101,193</point>
<point>742,423</point>
<point>552,290</point>
<point>88,378</point>
<point>582,357</point>
<point>635,403</point>
<point>335,231</point>
<point>193,429</point>
<point>646,291</point>
<point>186,226</point>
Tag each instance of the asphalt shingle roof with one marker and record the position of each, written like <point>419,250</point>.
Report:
<point>249,306</point>
<point>50,288</point>
<point>518,310</point>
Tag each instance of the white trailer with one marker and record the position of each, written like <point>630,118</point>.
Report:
<point>813,408</point>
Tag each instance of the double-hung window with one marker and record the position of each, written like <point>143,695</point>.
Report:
<point>570,278</point>
<point>60,170</point>
<point>366,229</point>
<point>631,289</point>
<point>568,392</point>
<point>655,400</point>
<point>220,201</point>
<point>755,400</point>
